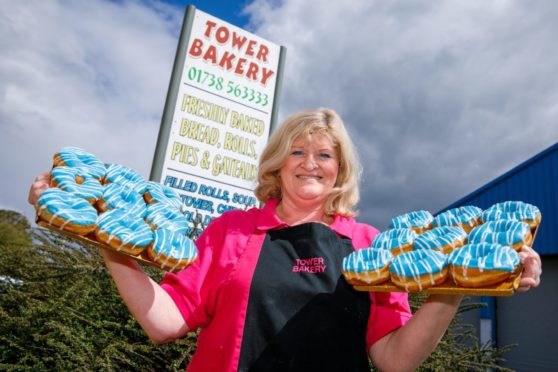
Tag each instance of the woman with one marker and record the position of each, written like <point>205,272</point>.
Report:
<point>267,289</point>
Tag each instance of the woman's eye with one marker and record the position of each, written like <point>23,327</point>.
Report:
<point>297,153</point>
<point>325,155</point>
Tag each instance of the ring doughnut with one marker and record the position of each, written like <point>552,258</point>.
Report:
<point>122,175</point>
<point>76,181</point>
<point>419,221</point>
<point>367,266</point>
<point>159,193</point>
<point>123,232</point>
<point>482,264</point>
<point>163,216</point>
<point>513,210</point>
<point>465,217</point>
<point>396,240</point>
<point>117,196</point>
<point>66,211</point>
<point>505,232</point>
<point>418,270</point>
<point>443,239</point>
<point>172,250</point>
<point>76,157</point>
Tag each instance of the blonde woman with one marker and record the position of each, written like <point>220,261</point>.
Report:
<point>267,290</point>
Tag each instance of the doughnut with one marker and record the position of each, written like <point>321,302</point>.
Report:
<point>158,193</point>
<point>172,250</point>
<point>76,157</point>
<point>123,232</point>
<point>117,196</point>
<point>513,210</point>
<point>66,211</point>
<point>396,240</point>
<point>465,217</point>
<point>505,232</point>
<point>122,175</point>
<point>443,239</point>
<point>418,270</point>
<point>482,264</point>
<point>367,266</point>
<point>164,216</point>
<point>76,181</point>
<point>419,221</point>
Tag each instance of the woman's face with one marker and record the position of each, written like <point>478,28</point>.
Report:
<point>310,170</point>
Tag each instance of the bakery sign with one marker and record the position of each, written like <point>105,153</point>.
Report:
<point>218,114</point>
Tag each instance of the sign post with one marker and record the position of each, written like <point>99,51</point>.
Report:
<point>219,111</point>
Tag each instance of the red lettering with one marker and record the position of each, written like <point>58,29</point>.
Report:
<point>266,74</point>
<point>238,42</point>
<point>222,35</point>
<point>262,53</point>
<point>250,47</point>
<point>227,59</point>
<point>209,25</point>
<point>252,72</point>
<point>211,54</point>
<point>195,49</point>
<point>240,66</point>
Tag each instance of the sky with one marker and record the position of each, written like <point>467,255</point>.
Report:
<point>440,97</point>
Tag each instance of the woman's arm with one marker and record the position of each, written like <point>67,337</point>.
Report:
<point>150,304</point>
<point>407,347</point>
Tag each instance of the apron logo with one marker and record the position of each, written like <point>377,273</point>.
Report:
<point>311,265</point>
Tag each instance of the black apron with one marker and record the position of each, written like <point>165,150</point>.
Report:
<point>302,315</point>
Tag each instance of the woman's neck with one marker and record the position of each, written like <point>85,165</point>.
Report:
<point>293,214</point>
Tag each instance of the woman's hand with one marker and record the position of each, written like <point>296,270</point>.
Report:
<point>532,269</point>
<point>40,184</point>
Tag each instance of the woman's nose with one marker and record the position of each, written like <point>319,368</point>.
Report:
<point>310,163</point>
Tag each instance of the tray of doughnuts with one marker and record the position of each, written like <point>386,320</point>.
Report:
<point>110,206</point>
<point>464,251</point>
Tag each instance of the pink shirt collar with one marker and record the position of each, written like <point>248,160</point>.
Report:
<point>268,220</point>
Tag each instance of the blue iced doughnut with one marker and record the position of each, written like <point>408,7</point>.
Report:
<point>164,216</point>
<point>171,250</point>
<point>418,270</point>
<point>513,210</point>
<point>482,264</point>
<point>123,232</point>
<point>158,193</point>
<point>396,240</point>
<point>66,211</point>
<point>367,266</point>
<point>443,239</point>
<point>505,232</point>
<point>76,181</point>
<point>117,196</point>
<point>418,221</point>
<point>122,175</point>
<point>76,157</point>
<point>465,217</point>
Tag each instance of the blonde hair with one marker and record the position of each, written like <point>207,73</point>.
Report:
<point>345,193</point>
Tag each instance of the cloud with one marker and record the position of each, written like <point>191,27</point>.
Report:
<point>81,73</point>
<point>441,97</point>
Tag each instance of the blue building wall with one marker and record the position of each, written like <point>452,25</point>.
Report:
<point>534,181</point>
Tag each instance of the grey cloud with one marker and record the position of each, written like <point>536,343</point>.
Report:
<point>80,73</point>
<point>441,97</point>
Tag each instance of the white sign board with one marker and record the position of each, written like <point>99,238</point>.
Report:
<point>218,117</point>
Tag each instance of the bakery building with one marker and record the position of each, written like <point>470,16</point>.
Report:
<point>527,319</point>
